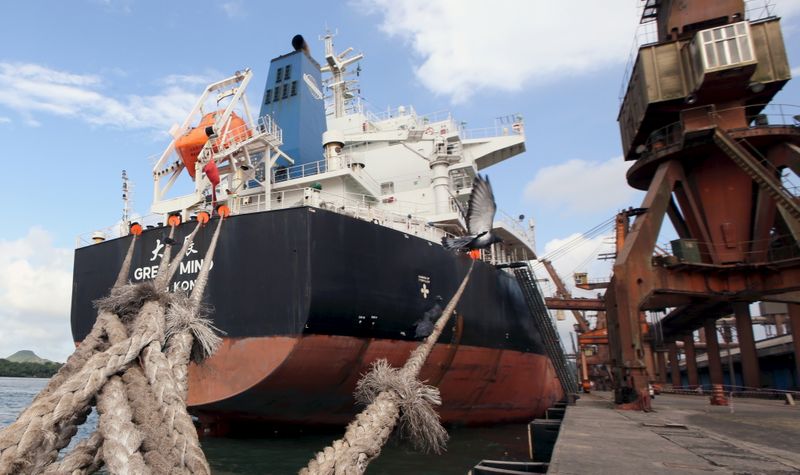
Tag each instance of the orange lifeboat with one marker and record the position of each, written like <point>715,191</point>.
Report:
<point>192,142</point>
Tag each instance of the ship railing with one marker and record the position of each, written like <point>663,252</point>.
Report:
<point>403,217</point>
<point>408,111</point>
<point>435,117</point>
<point>402,183</point>
<point>117,230</point>
<point>516,128</point>
<point>515,225</point>
<point>399,111</point>
<point>233,138</point>
<point>449,150</point>
<point>340,162</point>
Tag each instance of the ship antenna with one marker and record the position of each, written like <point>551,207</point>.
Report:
<point>337,65</point>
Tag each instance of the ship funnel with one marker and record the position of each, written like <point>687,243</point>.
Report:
<point>299,44</point>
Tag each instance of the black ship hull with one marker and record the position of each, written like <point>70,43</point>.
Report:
<point>308,298</point>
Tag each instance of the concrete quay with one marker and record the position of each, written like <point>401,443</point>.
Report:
<point>684,434</point>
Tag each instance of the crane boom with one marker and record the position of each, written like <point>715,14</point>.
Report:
<point>562,292</point>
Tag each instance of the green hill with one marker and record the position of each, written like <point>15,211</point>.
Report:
<point>25,364</point>
<point>26,356</point>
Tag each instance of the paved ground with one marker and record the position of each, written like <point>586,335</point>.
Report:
<point>684,434</point>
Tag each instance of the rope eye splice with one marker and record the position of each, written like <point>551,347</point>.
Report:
<point>392,396</point>
<point>133,363</point>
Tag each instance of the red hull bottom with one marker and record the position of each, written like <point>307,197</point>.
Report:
<point>310,380</point>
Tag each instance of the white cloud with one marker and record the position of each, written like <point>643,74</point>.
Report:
<point>581,257</point>
<point>35,286</point>
<point>4,120</point>
<point>191,79</point>
<point>32,89</point>
<point>785,8</point>
<point>233,8</point>
<point>795,71</point>
<point>467,45</point>
<point>580,187</point>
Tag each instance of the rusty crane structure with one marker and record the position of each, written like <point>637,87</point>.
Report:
<point>713,155</point>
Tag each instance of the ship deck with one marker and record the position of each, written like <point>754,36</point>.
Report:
<point>684,434</point>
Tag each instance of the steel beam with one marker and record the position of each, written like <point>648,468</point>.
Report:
<point>747,345</point>
<point>712,351</point>
<point>555,303</point>
<point>675,370</point>
<point>691,361</point>
<point>632,279</point>
<point>661,363</point>
<point>794,321</point>
<point>684,284</point>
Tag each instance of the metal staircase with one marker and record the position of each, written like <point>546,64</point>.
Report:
<point>541,317</point>
<point>761,172</point>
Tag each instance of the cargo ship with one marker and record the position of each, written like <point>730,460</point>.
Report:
<point>332,256</point>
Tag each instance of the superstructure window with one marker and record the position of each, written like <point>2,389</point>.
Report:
<point>268,96</point>
<point>279,76</point>
<point>276,95</point>
<point>285,91</point>
<point>387,188</point>
<point>287,73</point>
<point>294,88</point>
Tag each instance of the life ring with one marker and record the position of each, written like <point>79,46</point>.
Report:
<point>429,131</point>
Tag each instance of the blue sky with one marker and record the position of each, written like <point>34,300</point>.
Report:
<point>88,88</point>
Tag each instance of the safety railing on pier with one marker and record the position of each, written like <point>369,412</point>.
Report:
<point>731,391</point>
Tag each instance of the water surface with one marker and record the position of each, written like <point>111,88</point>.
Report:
<point>282,454</point>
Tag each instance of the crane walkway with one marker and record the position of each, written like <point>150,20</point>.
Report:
<point>683,435</point>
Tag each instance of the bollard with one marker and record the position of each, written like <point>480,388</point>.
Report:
<point>718,395</point>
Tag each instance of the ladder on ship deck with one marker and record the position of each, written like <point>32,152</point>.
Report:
<point>541,317</point>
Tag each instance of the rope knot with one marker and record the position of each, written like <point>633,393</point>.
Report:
<point>127,300</point>
<point>186,316</point>
<point>419,421</point>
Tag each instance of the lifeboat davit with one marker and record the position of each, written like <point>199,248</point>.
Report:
<point>192,142</point>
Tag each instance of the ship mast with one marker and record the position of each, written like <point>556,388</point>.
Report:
<point>126,203</point>
<point>337,66</point>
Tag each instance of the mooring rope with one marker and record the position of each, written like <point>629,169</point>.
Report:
<point>391,395</point>
<point>133,364</point>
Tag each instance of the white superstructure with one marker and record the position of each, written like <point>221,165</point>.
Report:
<point>397,169</point>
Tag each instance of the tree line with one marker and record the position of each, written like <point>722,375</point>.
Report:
<point>28,370</point>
